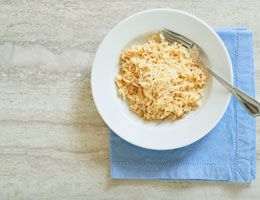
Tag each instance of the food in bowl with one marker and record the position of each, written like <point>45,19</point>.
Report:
<point>160,80</point>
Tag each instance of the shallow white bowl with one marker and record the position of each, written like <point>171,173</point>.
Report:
<point>167,134</point>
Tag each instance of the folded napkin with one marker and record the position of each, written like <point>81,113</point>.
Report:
<point>227,153</point>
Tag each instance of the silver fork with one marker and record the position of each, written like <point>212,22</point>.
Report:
<point>250,104</point>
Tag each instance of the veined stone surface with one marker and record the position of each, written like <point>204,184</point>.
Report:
<point>53,143</point>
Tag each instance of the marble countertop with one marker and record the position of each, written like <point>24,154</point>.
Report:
<point>53,143</point>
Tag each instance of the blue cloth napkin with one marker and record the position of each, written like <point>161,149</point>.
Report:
<point>227,153</point>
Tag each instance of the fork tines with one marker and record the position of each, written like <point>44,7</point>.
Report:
<point>172,36</point>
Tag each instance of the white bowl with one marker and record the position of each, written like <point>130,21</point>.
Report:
<point>167,134</point>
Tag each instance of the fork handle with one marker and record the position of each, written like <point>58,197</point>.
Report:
<point>250,104</point>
